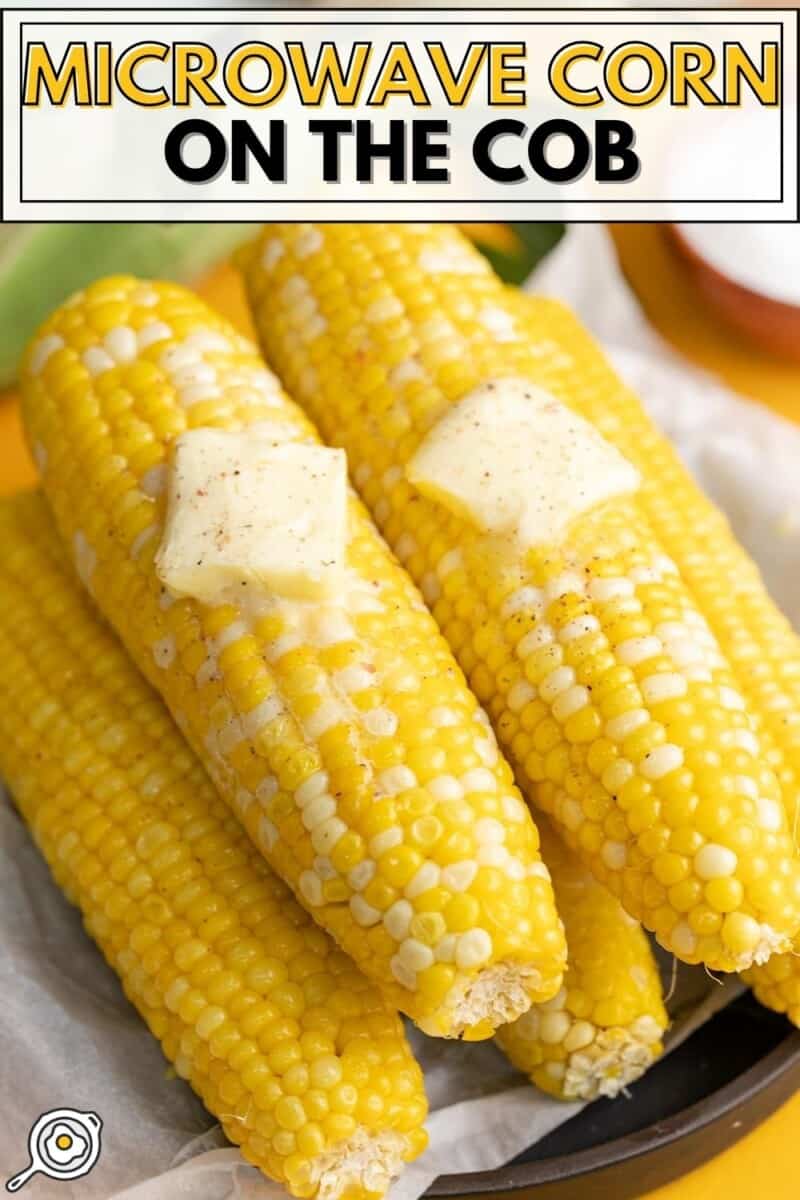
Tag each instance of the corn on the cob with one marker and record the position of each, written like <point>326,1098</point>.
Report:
<point>342,733</point>
<point>757,639</point>
<point>584,654</point>
<point>604,1028</point>
<point>295,1052</point>
<point>776,984</point>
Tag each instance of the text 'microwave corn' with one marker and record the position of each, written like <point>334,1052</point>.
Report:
<point>296,1053</point>
<point>755,636</point>
<point>621,716</point>
<point>342,733</point>
<point>605,1027</point>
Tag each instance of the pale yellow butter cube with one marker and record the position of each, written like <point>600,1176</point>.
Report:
<point>250,513</point>
<point>518,463</point>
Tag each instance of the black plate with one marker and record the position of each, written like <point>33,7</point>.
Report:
<point>727,1078</point>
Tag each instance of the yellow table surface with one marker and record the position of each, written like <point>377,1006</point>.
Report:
<point>759,1164</point>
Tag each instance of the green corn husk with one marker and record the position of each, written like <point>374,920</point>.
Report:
<point>536,239</point>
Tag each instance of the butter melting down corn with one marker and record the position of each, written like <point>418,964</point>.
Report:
<point>342,733</point>
<point>297,1054</point>
<point>616,703</point>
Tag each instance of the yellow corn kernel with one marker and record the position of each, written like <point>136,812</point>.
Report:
<point>606,1024</point>
<point>308,770</point>
<point>210,962</point>
<point>684,742</point>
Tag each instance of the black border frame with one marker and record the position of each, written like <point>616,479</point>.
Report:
<point>193,14</point>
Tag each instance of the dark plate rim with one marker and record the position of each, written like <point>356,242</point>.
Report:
<point>778,1062</point>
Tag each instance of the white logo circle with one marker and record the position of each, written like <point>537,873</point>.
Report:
<point>63,1144</point>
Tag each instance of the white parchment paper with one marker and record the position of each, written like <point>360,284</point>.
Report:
<point>69,1039</point>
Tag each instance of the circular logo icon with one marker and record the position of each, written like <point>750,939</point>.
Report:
<point>63,1144</point>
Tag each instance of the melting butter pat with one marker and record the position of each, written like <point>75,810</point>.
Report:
<point>249,512</point>
<point>518,463</point>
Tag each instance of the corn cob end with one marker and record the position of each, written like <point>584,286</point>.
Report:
<point>776,984</point>
<point>604,1027</point>
<point>599,1061</point>
<point>498,995</point>
<point>364,1165</point>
